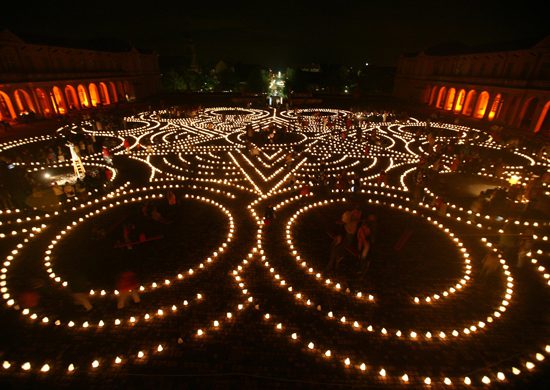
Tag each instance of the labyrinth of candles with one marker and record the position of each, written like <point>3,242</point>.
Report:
<point>221,279</point>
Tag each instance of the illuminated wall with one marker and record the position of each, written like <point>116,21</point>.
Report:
<point>23,101</point>
<point>515,83</point>
<point>543,123</point>
<point>83,96</point>
<point>450,99</point>
<point>469,103</point>
<point>432,95</point>
<point>43,102</point>
<point>104,93</point>
<point>481,105</point>
<point>495,107</point>
<point>440,97</point>
<point>52,80</point>
<point>460,101</point>
<point>72,98</point>
<point>6,108</point>
<point>114,94</point>
<point>59,103</point>
<point>94,94</point>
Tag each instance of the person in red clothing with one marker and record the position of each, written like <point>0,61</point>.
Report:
<point>127,287</point>
<point>305,189</point>
<point>382,178</point>
<point>126,145</point>
<point>107,155</point>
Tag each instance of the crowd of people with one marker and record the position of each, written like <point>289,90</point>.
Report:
<point>17,183</point>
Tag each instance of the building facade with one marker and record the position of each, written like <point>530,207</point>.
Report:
<point>51,80</point>
<point>507,87</point>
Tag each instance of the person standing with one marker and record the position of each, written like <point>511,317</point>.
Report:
<point>69,191</point>
<point>127,286</point>
<point>58,192</point>
<point>107,155</point>
<point>127,145</point>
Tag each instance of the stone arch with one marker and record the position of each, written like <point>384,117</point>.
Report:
<point>469,103</point>
<point>6,107</point>
<point>104,93</point>
<point>71,97</point>
<point>83,96</point>
<point>511,109</point>
<point>449,100</point>
<point>432,95</point>
<point>440,97</point>
<point>481,105</point>
<point>495,107</point>
<point>94,95</point>
<point>23,101</point>
<point>44,104</point>
<point>59,104</point>
<point>114,93</point>
<point>543,123</point>
<point>528,112</point>
<point>426,94</point>
<point>129,90</point>
<point>459,102</point>
<point>120,89</point>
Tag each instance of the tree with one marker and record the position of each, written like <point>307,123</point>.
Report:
<point>256,81</point>
<point>173,81</point>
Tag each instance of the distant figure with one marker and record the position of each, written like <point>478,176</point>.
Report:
<point>490,264</point>
<point>107,155</point>
<point>171,197</point>
<point>126,145</point>
<point>269,215</point>
<point>80,292</point>
<point>127,286</point>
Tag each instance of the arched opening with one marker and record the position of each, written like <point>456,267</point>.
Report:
<point>511,109</point>
<point>23,102</point>
<point>495,107</point>
<point>469,103</point>
<point>527,113</point>
<point>481,105</point>
<point>94,94</point>
<point>6,108</point>
<point>543,124</point>
<point>460,101</point>
<point>72,98</point>
<point>120,89</point>
<point>450,99</point>
<point>104,92</point>
<point>426,94</point>
<point>432,95</point>
<point>83,96</point>
<point>58,102</point>
<point>43,102</point>
<point>129,90</point>
<point>440,97</point>
<point>113,91</point>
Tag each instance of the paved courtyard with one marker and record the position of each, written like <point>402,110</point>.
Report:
<point>228,221</point>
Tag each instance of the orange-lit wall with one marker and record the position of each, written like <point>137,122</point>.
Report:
<point>35,71</point>
<point>481,105</point>
<point>460,100</point>
<point>450,99</point>
<point>512,80</point>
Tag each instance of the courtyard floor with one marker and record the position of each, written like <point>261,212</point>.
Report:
<point>227,300</point>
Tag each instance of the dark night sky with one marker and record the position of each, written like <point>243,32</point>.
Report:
<point>285,32</point>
